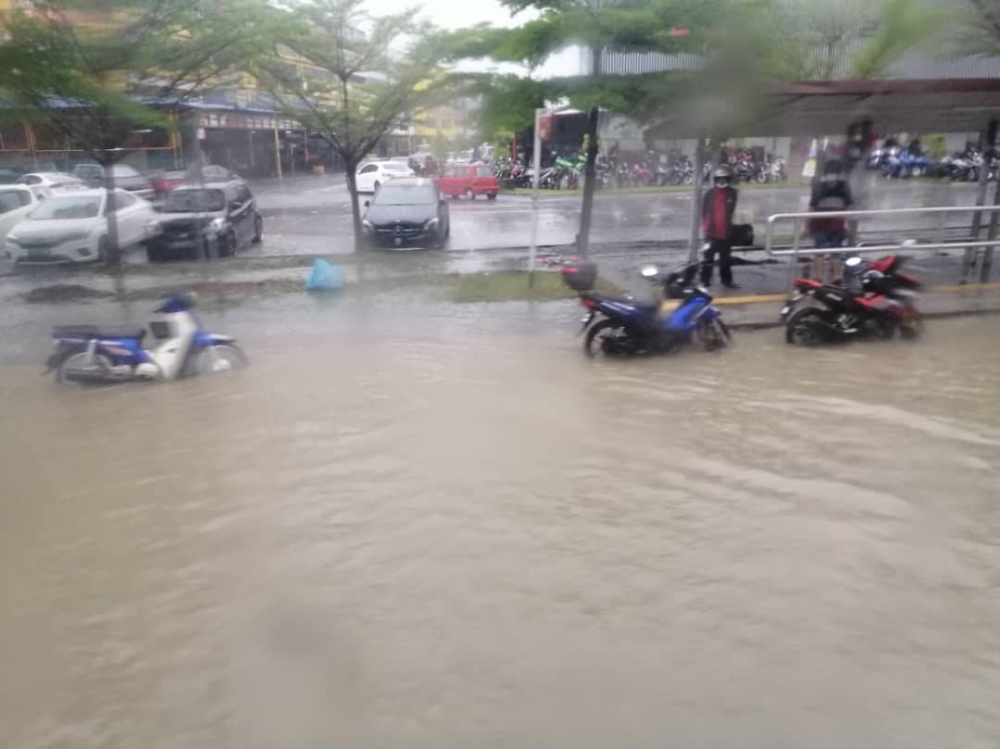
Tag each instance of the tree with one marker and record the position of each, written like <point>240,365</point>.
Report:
<point>849,38</point>
<point>977,27</point>
<point>621,25</point>
<point>361,75</point>
<point>97,71</point>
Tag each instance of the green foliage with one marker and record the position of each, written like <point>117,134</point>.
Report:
<point>978,28</point>
<point>936,146</point>
<point>90,70</point>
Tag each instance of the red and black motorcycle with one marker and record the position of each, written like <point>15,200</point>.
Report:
<point>872,302</point>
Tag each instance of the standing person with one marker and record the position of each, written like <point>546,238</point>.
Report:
<point>717,211</point>
<point>831,193</point>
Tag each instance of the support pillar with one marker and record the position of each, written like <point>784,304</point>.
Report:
<point>972,253</point>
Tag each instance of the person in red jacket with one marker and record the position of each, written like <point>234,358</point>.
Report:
<point>717,211</point>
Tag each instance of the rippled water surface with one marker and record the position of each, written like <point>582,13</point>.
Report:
<point>457,538</point>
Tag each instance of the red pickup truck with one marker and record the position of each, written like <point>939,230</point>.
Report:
<point>468,180</point>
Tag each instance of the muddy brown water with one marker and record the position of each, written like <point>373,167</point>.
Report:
<point>457,540</point>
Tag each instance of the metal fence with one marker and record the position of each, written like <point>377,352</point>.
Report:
<point>978,251</point>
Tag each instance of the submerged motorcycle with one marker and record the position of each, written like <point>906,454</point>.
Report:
<point>106,354</point>
<point>873,302</point>
<point>623,326</point>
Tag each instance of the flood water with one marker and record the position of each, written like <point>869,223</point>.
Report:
<point>454,534</point>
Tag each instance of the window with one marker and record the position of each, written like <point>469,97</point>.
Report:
<point>11,200</point>
<point>121,200</point>
<point>66,207</point>
<point>453,171</point>
<point>483,171</point>
<point>369,169</point>
<point>30,179</point>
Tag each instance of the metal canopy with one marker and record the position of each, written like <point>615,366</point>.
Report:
<point>829,107</point>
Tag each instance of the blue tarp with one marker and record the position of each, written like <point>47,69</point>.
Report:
<point>324,277</point>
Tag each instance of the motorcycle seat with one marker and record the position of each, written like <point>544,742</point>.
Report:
<point>100,331</point>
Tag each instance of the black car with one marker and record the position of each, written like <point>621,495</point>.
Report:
<point>217,220</point>
<point>406,211</point>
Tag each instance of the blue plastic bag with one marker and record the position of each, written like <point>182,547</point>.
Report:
<point>324,277</point>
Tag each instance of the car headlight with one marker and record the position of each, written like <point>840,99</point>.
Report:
<point>216,224</point>
<point>153,227</point>
<point>431,223</point>
<point>367,226</point>
<point>12,240</point>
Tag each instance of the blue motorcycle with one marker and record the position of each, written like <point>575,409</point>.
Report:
<point>105,354</point>
<point>622,326</point>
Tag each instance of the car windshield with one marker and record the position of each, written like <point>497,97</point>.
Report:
<point>405,195</point>
<point>67,207</point>
<point>188,201</point>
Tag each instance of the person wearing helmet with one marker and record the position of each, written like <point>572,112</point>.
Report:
<point>717,211</point>
<point>831,193</point>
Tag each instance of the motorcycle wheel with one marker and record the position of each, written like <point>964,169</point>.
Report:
<point>911,330</point>
<point>713,335</point>
<point>77,361</point>
<point>600,334</point>
<point>804,328</point>
<point>222,358</point>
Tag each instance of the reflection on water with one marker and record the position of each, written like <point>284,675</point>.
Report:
<point>484,540</point>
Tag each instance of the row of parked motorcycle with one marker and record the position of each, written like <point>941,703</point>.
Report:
<point>962,166</point>
<point>564,171</point>
<point>874,300</point>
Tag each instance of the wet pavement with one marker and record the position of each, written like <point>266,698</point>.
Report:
<point>311,215</point>
<point>411,525</point>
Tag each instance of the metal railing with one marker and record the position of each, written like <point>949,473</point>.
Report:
<point>970,245</point>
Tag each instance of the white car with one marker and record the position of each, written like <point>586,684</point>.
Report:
<point>52,181</point>
<point>16,202</point>
<point>72,227</point>
<point>374,173</point>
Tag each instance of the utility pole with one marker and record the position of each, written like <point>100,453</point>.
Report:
<point>590,172</point>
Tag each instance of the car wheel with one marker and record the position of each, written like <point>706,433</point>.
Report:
<point>491,196</point>
<point>152,255</point>
<point>375,186</point>
<point>258,229</point>
<point>469,194</point>
<point>102,249</point>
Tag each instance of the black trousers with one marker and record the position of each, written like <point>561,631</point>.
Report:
<point>724,250</point>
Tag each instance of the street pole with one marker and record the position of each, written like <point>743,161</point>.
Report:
<point>699,167</point>
<point>277,148</point>
<point>536,167</point>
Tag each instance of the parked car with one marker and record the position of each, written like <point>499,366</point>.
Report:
<point>469,180</point>
<point>125,178</point>
<point>16,202</point>
<point>72,227</point>
<point>219,219</point>
<point>406,211</point>
<point>51,181</point>
<point>374,174</point>
<point>165,181</point>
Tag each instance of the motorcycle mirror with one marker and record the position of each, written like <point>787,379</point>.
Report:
<point>650,271</point>
<point>853,262</point>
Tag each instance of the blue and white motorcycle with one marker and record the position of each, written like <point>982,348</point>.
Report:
<point>623,326</point>
<point>106,354</point>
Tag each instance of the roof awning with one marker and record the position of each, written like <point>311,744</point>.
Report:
<point>829,107</point>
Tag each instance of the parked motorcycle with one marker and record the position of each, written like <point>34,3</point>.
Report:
<point>622,326</point>
<point>106,354</point>
<point>873,302</point>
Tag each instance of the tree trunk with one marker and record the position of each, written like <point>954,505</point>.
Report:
<point>113,253</point>
<point>589,183</point>
<point>351,165</point>
<point>590,171</point>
